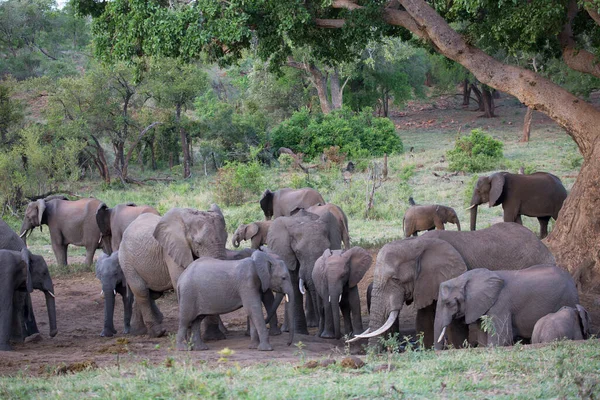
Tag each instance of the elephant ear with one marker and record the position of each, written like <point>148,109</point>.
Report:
<point>262,265</point>
<point>266,203</point>
<point>26,260</point>
<point>584,320</point>
<point>41,206</point>
<point>333,228</point>
<point>170,233</point>
<point>279,242</point>
<point>496,188</point>
<point>482,288</point>
<point>437,263</point>
<point>360,261</point>
<point>103,219</point>
<point>251,230</point>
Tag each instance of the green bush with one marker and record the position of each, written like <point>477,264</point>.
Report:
<point>357,134</point>
<point>475,153</point>
<point>239,182</point>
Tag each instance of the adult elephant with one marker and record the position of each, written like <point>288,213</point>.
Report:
<point>538,195</point>
<point>411,270</point>
<point>156,250</point>
<point>339,215</point>
<point>283,201</point>
<point>69,222</point>
<point>300,240</point>
<point>23,318</point>
<point>112,222</point>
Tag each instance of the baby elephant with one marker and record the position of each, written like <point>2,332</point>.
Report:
<point>209,286</point>
<point>256,232</point>
<point>427,217</point>
<point>567,323</point>
<point>110,274</point>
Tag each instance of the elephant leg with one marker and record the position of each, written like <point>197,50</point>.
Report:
<point>502,334</point>
<point>511,214</point>
<point>267,300</point>
<point>196,335</point>
<point>424,324</point>
<point>211,329</point>
<point>158,315</point>
<point>17,329</point>
<point>299,317</point>
<point>346,314</point>
<point>312,319</point>
<point>543,226</point>
<point>60,252</point>
<point>127,307</point>
<point>222,326</point>
<point>137,320</point>
<point>148,309</point>
<point>354,306</point>
<point>89,255</point>
<point>6,320</point>
<point>326,320</point>
<point>253,304</point>
<point>109,308</point>
<point>458,333</point>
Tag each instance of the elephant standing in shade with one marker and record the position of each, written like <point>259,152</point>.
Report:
<point>336,276</point>
<point>112,222</point>
<point>23,318</point>
<point>283,201</point>
<point>339,215</point>
<point>19,275</point>
<point>210,286</point>
<point>428,217</point>
<point>513,300</point>
<point>109,272</point>
<point>256,232</point>
<point>538,195</point>
<point>567,323</point>
<point>411,270</point>
<point>299,241</point>
<point>69,222</point>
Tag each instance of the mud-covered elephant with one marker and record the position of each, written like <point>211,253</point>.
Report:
<point>513,301</point>
<point>256,232</point>
<point>283,201</point>
<point>300,240</point>
<point>539,195</point>
<point>23,318</point>
<point>411,270</point>
<point>572,323</point>
<point>211,286</point>
<point>69,222</point>
<point>336,275</point>
<point>339,215</point>
<point>428,217</point>
<point>109,272</point>
<point>112,222</point>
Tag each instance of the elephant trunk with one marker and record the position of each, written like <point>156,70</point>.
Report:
<point>473,217</point>
<point>109,309</point>
<point>235,240</point>
<point>381,309</point>
<point>442,319</point>
<point>51,307</point>
<point>334,303</point>
<point>290,311</point>
<point>457,224</point>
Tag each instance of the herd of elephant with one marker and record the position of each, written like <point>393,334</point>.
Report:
<point>453,278</point>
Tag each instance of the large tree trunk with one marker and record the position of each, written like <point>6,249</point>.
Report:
<point>488,103</point>
<point>466,92</point>
<point>184,144</point>
<point>336,90</point>
<point>479,96</point>
<point>527,125</point>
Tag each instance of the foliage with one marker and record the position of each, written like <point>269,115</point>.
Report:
<point>357,134</point>
<point>238,182</point>
<point>11,113</point>
<point>475,153</point>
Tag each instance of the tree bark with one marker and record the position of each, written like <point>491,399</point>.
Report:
<point>480,100</point>
<point>336,90</point>
<point>184,144</point>
<point>488,102</point>
<point>466,92</point>
<point>527,125</point>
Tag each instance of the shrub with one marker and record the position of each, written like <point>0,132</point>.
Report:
<point>356,134</point>
<point>238,182</point>
<point>476,152</point>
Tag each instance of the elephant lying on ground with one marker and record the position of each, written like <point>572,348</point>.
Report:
<point>411,270</point>
<point>283,201</point>
<point>109,272</point>
<point>427,217</point>
<point>567,323</point>
<point>256,232</point>
<point>210,286</point>
<point>538,195</point>
<point>513,300</point>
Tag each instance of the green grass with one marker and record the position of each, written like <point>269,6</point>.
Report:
<point>559,370</point>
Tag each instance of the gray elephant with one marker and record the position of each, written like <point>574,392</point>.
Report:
<point>411,270</point>
<point>336,275</point>
<point>109,272</point>
<point>572,323</point>
<point>156,250</point>
<point>256,232</point>
<point>513,301</point>
<point>19,275</point>
<point>112,222</point>
<point>300,240</point>
<point>539,195</point>
<point>339,215</point>
<point>428,217</point>
<point>24,324</point>
<point>283,201</point>
<point>210,286</point>
<point>69,222</point>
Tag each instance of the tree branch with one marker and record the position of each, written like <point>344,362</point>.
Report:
<point>589,7</point>
<point>577,59</point>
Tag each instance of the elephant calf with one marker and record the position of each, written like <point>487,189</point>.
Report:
<point>567,323</point>
<point>209,286</point>
<point>256,232</point>
<point>427,217</point>
<point>110,274</point>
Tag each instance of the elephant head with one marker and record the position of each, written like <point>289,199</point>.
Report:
<point>469,295</point>
<point>448,214</point>
<point>186,234</point>
<point>109,272</point>
<point>266,204</point>
<point>244,232</point>
<point>487,189</point>
<point>38,277</point>
<point>34,216</point>
<point>408,271</point>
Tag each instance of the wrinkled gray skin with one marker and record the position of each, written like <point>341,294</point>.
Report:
<point>336,276</point>
<point>514,300</point>
<point>539,195</point>
<point>567,323</point>
<point>283,201</point>
<point>109,272</point>
<point>339,215</point>
<point>256,232</point>
<point>69,222</point>
<point>112,222</point>
<point>23,319</point>
<point>412,269</point>
<point>300,240</point>
<point>155,251</point>
<point>211,287</point>
<point>428,217</point>
<point>18,274</point>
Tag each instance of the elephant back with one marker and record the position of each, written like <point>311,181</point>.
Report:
<point>9,240</point>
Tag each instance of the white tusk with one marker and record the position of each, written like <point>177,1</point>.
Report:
<point>287,299</point>
<point>102,293</point>
<point>301,286</point>
<point>114,292</point>
<point>442,335</point>
<point>100,240</point>
<point>355,338</point>
<point>23,234</point>
<point>474,205</point>
<point>329,299</point>
<point>390,321</point>
<point>340,299</point>
<point>51,294</point>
